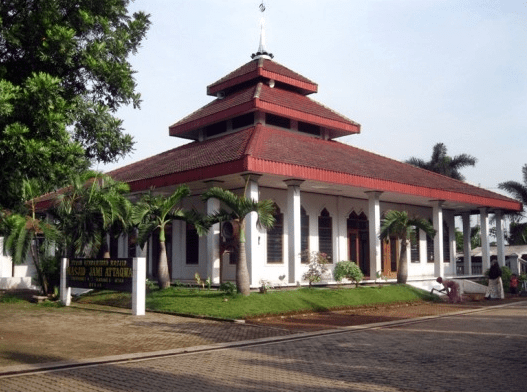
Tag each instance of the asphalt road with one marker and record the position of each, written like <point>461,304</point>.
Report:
<point>476,351</point>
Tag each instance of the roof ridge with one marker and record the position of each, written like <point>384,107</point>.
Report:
<point>333,111</point>
<point>253,140</point>
<point>194,112</point>
<point>299,76</point>
<point>258,90</point>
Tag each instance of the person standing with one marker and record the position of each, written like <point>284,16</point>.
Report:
<point>513,285</point>
<point>495,287</point>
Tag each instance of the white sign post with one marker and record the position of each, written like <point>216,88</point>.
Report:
<point>139,286</point>
<point>65,292</point>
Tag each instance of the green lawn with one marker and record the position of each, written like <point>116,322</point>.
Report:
<point>217,304</point>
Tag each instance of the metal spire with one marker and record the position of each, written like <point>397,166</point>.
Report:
<point>262,50</point>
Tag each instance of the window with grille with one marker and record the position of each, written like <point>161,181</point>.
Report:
<point>325,234</point>
<point>192,242</point>
<point>429,249</point>
<point>304,235</point>
<point>275,239</point>
<point>415,246</point>
<point>446,243</point>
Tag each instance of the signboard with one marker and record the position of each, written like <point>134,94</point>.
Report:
<point>108,274</point>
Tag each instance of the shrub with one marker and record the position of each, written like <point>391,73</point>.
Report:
<point>50,266</point>
<point>349,270</point>
<point>317,268</point>
<point>228,288</point>
<point>506,277</point>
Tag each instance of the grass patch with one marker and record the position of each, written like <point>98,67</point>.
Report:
<point>107,297</point>
<point>211,303</point>
<point>11,299</point>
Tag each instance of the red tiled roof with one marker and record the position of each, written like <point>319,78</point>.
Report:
<point>192,156</point>
<point>280,152</point>
<point>272,100</point>
<point>263,68</point>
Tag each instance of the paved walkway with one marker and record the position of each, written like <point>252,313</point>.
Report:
<point>80,332</point>
<point>476,351</point>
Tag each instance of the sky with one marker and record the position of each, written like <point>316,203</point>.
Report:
<point>412,72</point>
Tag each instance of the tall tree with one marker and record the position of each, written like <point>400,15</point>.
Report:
<point>399,224</point>
<point>238,208</point>
<point>153,213</point>
<point>64,72</point>
<point>443,164</point>
<point>29,234</point>
<point>517,230</point>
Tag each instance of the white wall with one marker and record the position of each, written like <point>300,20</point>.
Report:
<point>339,209</point>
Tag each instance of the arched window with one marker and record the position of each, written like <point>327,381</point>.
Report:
<point>304,235</point>
<point>358,240</point>
<point>275,239</point>
<point>429,249</point>
<point>325,234</point>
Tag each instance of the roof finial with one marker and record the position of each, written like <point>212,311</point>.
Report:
<point>262,51</point>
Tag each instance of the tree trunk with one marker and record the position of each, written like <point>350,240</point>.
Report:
<point>163,274</point>
<point>242,273</point>
<point>402,271</point>
<point>40,275</point>
<point>105,248</point>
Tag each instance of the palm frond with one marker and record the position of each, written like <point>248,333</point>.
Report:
<point>266,210</point>
<point>201,222</point>
<point>418,163</point>
<point>228,198</point>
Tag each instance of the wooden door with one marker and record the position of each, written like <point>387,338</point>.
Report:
<point>390,248</point>
<point>354,245</point>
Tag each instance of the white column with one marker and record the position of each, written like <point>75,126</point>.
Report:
<point>293,229</point>
<point>213,239</point>
<point>252,234</point>
<point>485,246</point>
<point>342,232</point>
<point>439,260</point>
<point>374,221</point>
<point>500,237</point>
<point>467,263</point>
<point>65,292</point>
<point>138,286</point>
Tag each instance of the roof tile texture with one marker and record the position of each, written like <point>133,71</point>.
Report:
<point>268,65</point>
<point>275,96</point>
<point>285,147</point>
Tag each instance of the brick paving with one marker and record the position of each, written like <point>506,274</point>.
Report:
<point>481,351</point>
<point>43,335</point>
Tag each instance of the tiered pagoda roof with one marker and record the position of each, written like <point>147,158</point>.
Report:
<point>263,88</point>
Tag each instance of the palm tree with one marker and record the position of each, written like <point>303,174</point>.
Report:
<point>153,213</point>
<point>517,230</point>
<point>443,164</point>
<point>517,189</point>
<point>86,211</point>
<point>399,224</point>
<point>238,208</point>
<point>28,234</point>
